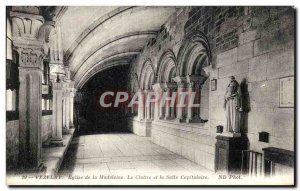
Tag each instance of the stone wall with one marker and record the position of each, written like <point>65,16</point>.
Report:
<point>264,54</point>
<point>191,141</point>
<point>47,127</point>
<point>12,143</point>
<point>12,139</point>
<point>254,44</point>
<point>140,128</point>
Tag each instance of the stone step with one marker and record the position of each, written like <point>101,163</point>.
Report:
<point>53,156</point>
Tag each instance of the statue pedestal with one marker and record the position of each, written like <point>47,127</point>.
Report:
<point>229,134</point>
<point>228,156</point>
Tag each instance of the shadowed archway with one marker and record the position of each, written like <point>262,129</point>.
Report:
<point>93,118</point>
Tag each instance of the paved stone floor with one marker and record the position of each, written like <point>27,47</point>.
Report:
<point>123,153</point>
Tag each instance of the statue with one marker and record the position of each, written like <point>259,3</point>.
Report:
<point>232,106</point>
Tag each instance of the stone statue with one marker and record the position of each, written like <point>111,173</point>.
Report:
<point>232,106</point>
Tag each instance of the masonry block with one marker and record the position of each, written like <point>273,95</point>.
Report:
<point>258,68</point>
<point>234,69</point>
<point>245,51</point>
<point>265,94</point>
<point>281,64</point>
<point>227,58</point>
<point>283,121</point>
<point>246,37</point>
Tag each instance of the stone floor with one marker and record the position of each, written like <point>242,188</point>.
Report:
<point>120,153</point>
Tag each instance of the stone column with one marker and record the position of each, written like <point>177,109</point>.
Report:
<point>157,105</point>
<point>71,112</point>
<point>195,83</point>
<point>141,111</point>
<point>147,107</point>
<point>167,104</point>
<point>191,88</point>
<point>169,109</point>
<point>66,111</point>
<point>25,28</point>
<point>181,87</point>
<point>57,120</point>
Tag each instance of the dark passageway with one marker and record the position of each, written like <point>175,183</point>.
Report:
<point>93,118</point>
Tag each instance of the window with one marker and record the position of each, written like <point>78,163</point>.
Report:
<point>47,95</point>
<point>12,77</point>
<point>12,87</point>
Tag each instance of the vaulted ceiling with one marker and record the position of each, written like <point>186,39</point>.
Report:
<point>96,38</point>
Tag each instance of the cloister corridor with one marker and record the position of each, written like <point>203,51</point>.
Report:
<point>149,90</point>
<point>123,153</point>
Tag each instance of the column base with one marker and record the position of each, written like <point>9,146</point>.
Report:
<point>180,120</point>
<point>196,120</point>
<point>39,168</point>
<point>56,143</point>
<point>66,131</point>
<point>169,118</point>
<point>71,125</point>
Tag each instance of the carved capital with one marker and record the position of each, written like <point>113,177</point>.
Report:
<point>57,86</point>
<point>191,84</point>
<point>171,85</point>
<point>157,87</point>
<point>26,26</point>
<point>73,92</point>
<point>207,69</point>
<point>181,85</point>
<point>30,57</point>
<point>196,80</point>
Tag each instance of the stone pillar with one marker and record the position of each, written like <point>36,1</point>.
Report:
<point>66,111</point>
<point>169,112</point>
<point>71,111</point>
<point>158,91</point>
<point>195,83</point>
<point>191,88</point>
<point>147,107</point>
<point>30,49</point>
<point>167,104</point>
<point>57,114</point>
<point>181,87</point>
<point>141,111</point>
<point>148,112</point>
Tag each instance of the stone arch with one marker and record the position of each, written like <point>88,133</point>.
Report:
<point>147,75</point>
<point>194,54</point>
<point>166,67</point>
<point>135,83</point>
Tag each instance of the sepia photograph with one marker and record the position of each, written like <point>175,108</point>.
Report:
<point>150,95</point>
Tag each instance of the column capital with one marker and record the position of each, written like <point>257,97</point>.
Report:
<point>207,69</point>
<point>26,25</point>
<point>158,87</point>
<point>196,79</point>
<point>25,30</point>
<point>57,86</point>
<point>170,86</point>
<point>72,94</point>
<point>181,81</point>
<point>30,57</point>
<point>147,91</point>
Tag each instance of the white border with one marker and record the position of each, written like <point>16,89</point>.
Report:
<point>106,3</point>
